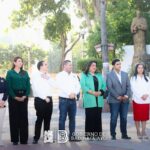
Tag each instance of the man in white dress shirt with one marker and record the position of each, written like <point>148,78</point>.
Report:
<point>42,91</point>
<point>69,86</point>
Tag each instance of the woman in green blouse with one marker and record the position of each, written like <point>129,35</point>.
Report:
<point>18,90</point>
<point>93,87</point>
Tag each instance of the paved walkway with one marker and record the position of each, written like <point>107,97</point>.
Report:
<point>106,144</point>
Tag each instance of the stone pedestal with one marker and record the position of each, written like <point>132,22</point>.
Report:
<point>146,61</point>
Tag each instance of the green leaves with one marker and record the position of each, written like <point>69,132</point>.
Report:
<point>57,21</point>
<point>93,39</point>
<point>83,62</point>
<point>56,25</point>
<point>18,19</point>
<point>119,17</point>
<point>8,52</point>
<point>143,5</point>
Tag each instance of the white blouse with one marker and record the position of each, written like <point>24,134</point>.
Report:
<point>139,87</point>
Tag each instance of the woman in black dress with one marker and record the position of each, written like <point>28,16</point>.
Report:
<point>93,88</point>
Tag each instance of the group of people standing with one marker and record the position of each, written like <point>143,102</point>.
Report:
<point>120,89</point>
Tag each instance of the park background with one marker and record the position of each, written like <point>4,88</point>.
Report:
<point>55,30</point>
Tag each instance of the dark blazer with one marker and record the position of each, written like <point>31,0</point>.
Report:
<point>115,88</point>
<point>3,88</point>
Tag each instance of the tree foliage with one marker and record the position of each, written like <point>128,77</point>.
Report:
<point>54,58</point>
<point>8,52</point>
<point>56,26</point>
<point>119,18</point>
<point>83,62</point>
<point>57,20</point>
<point>143,5</point>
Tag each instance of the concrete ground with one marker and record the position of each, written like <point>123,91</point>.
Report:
<point>106,144</point>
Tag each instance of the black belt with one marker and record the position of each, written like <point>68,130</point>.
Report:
<point>20,93</point>
<point>67,98</point>
<point>40,99</point>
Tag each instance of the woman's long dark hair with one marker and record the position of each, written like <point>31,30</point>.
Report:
<point>136,71</point>
<point>15,60</point>
<point>88,65</point>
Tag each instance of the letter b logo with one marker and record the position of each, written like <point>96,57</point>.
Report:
<point>62,136</point>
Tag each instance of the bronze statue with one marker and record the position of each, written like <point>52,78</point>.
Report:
<point>138,28</point>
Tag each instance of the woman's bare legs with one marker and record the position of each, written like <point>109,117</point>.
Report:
<point>143,130</point>
<point>137,125</point>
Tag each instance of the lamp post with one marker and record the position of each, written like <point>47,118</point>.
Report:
<point>28,45</point>
<point>104,45</point>
<point>82,33</point>
<point>29,58</point>
<point>110,46</point>
<point>98,48</point>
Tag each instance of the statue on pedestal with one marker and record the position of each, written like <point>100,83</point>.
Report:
<point>138,29</point>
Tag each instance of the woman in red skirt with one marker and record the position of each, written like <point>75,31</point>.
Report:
<point>140,85</point>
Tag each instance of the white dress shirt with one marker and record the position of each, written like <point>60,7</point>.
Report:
<point>67,84</point>
<point>1,96</point>
<point>42,87</point>
<point>119,76</point>
<point>139,87</point>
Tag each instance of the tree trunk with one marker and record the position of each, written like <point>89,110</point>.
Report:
<point>73,44</point>
<point>64,51</point>
<point>63,45</point>
<point>82,8</point>
<point>96,6</point>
